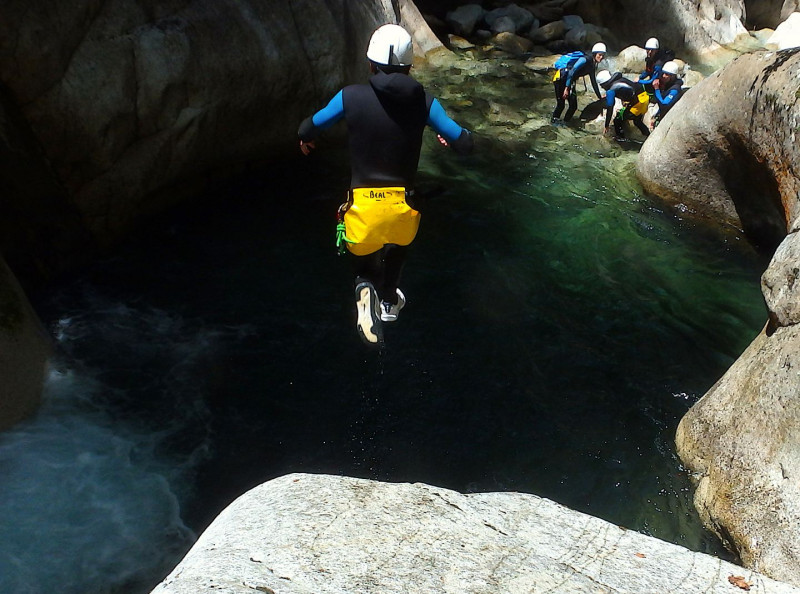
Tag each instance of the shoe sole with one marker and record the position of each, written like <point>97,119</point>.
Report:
<point>368,323</point>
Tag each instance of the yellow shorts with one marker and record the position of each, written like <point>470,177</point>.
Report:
<point>378,216</point>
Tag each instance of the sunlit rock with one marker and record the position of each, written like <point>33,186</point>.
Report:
<point>548,32</point>
<point>513,44</point>
<point>730,146</point>
<point>780,283</point>
<point>787,35</point>
<point>326,534</point>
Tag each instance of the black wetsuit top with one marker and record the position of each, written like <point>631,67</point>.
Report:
<point>385,120</point>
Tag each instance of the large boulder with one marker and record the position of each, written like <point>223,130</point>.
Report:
<point>787,35</point>
<point>742,439</point>
<point>24,349</point>
<point>729,147</point>
<point>309,533</point>
<point>134,103</point>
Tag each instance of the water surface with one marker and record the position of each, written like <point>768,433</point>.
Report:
<point>559,324</point>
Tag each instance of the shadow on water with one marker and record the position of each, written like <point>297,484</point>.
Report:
<point>558,326</point>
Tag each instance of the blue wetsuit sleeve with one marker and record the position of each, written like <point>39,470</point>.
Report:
<point>647,79</point>
<point>610,95</point>
<point>330,114</point>
<point>575,67</point>
<point>669,98</point>
<point>442,124</point>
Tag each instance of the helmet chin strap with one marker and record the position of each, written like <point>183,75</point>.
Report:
<point>391,51</point>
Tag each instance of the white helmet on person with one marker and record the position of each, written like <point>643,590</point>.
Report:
<point>670,67</point>
<point>603,77</point>
<point>599,48</point>
<point>651,44</point>
<point>391,45</point>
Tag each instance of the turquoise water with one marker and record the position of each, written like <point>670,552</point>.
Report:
<point>559,323</point>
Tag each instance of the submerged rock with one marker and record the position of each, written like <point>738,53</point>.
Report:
<point>325,534</point>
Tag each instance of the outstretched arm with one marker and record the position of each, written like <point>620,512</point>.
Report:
<point>455,136</point>
<point>326,117</point>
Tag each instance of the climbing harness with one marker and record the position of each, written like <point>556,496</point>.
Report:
<point>341,233</point>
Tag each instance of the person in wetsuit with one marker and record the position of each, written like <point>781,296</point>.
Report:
<point>565,79</point>
<point>668,90</point>
<point>652,63</point>
<point>633,109</point>
<point>385,120</point>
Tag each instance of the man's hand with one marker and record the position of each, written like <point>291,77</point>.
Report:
<point>306,147</point>
<point>566,93</point>
<point>656,83</point>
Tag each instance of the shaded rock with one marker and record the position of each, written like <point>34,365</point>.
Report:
<point>789,6</point>
<point>459,42</point>
<point>742,170</point>
<point>134,104</point>
<point>464,18</point>
<point>522,18</point>
<point>504,25</point>
<point>571,21</point>
<point>513,44</point>
<point>24,349</point>
<point>548,32</point>
<point>787,35</point>
<point>325,534</point>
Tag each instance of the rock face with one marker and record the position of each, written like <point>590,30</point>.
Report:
<point>729,147</point>
<point>324,534</point>
<point>681,24</point>
<point>132,101</point>
<point>24,349</point>
<point>742,439</point>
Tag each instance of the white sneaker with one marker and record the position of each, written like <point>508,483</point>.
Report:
<point>389,311</point>
<point>368,321</point>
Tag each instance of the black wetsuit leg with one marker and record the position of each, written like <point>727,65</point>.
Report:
<point>383,269</point>
<point>638,121</point>
<point>573,104</point>
<point>559,87</point>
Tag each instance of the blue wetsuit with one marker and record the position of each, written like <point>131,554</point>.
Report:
<point>666,98</point>
<point>583,66</point>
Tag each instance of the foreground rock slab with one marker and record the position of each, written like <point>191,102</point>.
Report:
<point>324,534</point>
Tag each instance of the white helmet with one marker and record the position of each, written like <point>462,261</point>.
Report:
<point>603,77</point>
<point>651,43</point>
<point>390,45</point>
<point>670,67</point>
<point>599,48</point>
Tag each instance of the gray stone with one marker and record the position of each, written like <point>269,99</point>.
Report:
<point>780,283</point>
<point>522,18</point>
<point>504,25</point>
<point>571,21</point>
<point>742,442</point>
<point>513,44</point>
<point>548,32</point>
<point>742,170</point>
<point>464,18</point>
<point>308,533</point>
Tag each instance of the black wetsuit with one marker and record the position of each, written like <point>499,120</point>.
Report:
<point>385,120</point>
<point>584,66</point>
<point>667,97</point>
<point>625,90</point>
